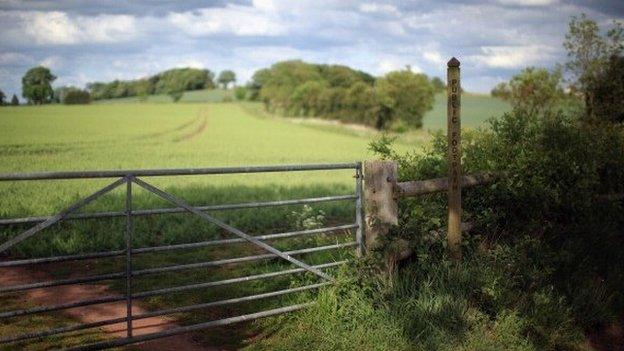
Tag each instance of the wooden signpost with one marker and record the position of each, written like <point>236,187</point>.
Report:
<point>382,191</point>
<point>453,90</point>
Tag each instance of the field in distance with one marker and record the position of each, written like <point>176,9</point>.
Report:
<point>136,136</point>
<point>476,108</point>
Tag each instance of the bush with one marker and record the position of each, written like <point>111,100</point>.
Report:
<point>542,266</point>
<point>339,92</point>
<point>240,93</point>
<point>76,97</point>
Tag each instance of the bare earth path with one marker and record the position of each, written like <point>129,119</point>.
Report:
<point>94,313</point>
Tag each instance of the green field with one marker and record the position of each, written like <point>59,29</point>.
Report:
<point>476,108</point>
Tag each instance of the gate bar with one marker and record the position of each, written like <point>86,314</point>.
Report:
<point>75,206</point>
<point>181,309</point>
<point>153,249</point>
<point>165,269</point>
<point>24,220</point>
<point>128,237</point>
<point>359,210</point>
<point>173,172</point>
<point>16,313</point>
<point>228,227</point>
<point>190,328</point>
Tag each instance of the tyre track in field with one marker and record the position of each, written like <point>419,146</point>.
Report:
<point>93,313</point>
<point>169,131</point>
<point>203,116</point>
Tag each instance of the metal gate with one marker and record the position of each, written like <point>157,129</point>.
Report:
<point>132,178</point>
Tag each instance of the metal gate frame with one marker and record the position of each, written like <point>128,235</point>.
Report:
<point>130,177</point>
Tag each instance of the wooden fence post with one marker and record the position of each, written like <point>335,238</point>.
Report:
<point>380,205</point>
<point>453,90</point>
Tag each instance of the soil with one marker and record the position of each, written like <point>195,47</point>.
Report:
<point>94,313</point>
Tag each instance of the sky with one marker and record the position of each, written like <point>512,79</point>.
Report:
<point>103,40</point>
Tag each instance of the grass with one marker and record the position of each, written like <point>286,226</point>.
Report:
<point>475,110</point>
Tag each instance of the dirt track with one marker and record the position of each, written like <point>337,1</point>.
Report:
<point>93,313</point>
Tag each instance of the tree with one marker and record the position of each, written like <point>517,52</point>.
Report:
<point>533,90</point>
<point>226,77</point>
<point>405,96</point>
<point>257,81</point>
<point>589,53</point>
<point>608,90</point>
<point>2,97</point>
<point>501,91</point>
<point>438,84</point>
<point>15,100</point>
<point>36,85</point>
<point>240,93</point>
<point>75,96</point>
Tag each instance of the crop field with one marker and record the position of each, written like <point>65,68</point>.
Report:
<point>132,136</point>
<point>128,135</point>
<point>476,110</point>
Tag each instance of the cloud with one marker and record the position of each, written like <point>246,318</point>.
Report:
<point>513,56</point>
<point>433,57</point>
<point>232,19</point>
<point>10,58</point>
<point>386,9</point>
<point>108,39</point>
<point>60,28</point>
<point>388,64</point>
<point>528,2</point>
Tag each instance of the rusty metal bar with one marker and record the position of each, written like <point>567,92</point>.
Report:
<point>173,172</point>
<point>359,237</point>
<point>190,328</point>
<point>436,185</point>
<point>162,312</point>
<point>228,227</point>
<point>111,214</point>
<point>34,230</point>
<point>110,276</point>
<point>153,249</point>
<point>128,238</point>
<point>174,268</point>
<point>108,299</point>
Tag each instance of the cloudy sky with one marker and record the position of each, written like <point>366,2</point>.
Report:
<point>101,40</point>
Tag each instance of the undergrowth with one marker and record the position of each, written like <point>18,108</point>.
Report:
<point>542,268</point>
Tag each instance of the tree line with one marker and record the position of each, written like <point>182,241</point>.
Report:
<point>3,101</point>
<point>298,88</point>
<point>37,86</point>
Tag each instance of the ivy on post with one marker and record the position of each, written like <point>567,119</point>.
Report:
<point>453,90</point>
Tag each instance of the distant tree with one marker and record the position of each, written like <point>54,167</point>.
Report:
<point>608,91</point>
<point>15,100</point>
<point>36,85</point>
<point>533,90</point>
<point>226,77</point>
<point>60,92</point>
<point>176,95</point>
<point>438,84</point>
<point>304,99</point>
<point>2,97</point>
<point>589,53</point>
<point>403,95</point>
<point>240,93</point>
<point>76,96</point>
<point>501,91</point>
<point>259,78</point>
